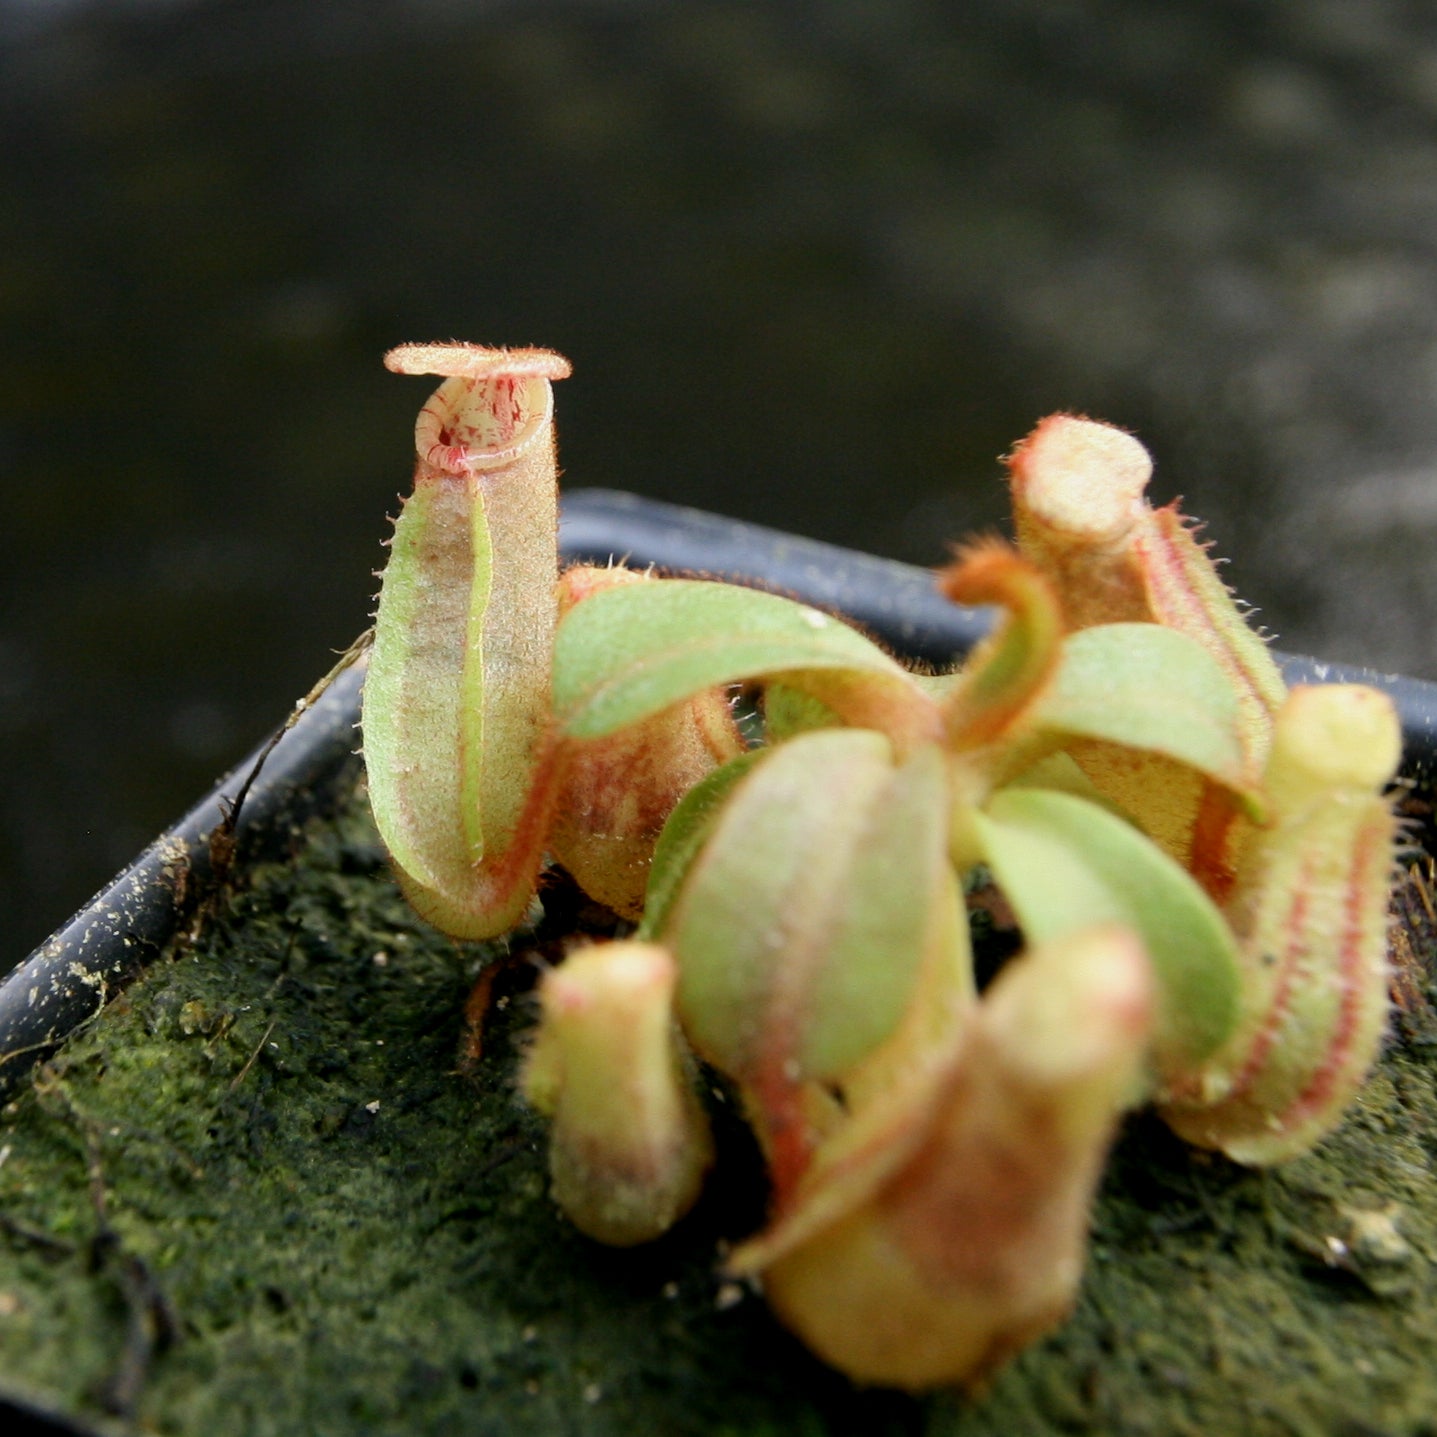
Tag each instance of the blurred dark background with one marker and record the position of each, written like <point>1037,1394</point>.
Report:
<point>817,263</point>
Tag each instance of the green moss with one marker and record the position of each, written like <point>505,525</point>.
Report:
<point>354,1236</point>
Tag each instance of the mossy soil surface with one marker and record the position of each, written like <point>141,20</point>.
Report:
<point>262,1194</point>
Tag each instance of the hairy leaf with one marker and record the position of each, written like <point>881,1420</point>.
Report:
<point>1153,688</point>
<point>801,927</point>
<point>630,652</point>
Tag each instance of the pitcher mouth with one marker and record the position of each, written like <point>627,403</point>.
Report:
<point>493,403</point>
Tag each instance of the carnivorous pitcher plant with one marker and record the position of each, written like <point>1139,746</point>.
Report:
<point>1198,861</point>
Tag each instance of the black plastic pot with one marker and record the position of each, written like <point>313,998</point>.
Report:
<point>69,978</point>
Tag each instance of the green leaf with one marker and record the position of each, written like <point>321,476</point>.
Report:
<point>629,652</point>
<point>887,913</point>
<point>1153,688</point>
<point>801,928</point>
<point>683,836</point>
<point>1065,864</point>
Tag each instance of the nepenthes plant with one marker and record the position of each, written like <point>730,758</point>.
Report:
<point>1198,861</point>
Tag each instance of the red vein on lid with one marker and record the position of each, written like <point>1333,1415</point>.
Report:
<point>506,389</point>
